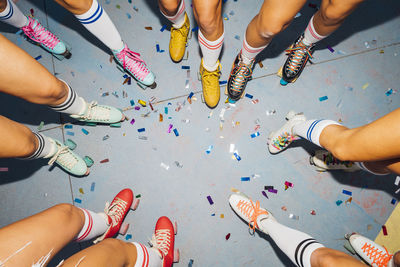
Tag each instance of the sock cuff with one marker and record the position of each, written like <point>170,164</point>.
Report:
<point>92,15</point>
<point>142,259</point>
<point>7,12</point>
<point>87,227</point>
<point>313,32</point>
<point>39,150</point>
<point>251,49</point>
<point>212,45</point>
<point>315,129</point>
<point>304,250</point>
<point>68,102</point>
<point>181,9</point>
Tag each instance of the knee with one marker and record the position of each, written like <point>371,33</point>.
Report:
<point>328,260</point>
<point>332,15</point>
<point>268,27</point>
<point>80,6</point>
<point>208,22</point>
<point>65,210</point>
<point>54,92</point>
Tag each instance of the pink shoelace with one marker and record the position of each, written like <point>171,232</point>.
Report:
<point>132,62</point>
<point>40,34</point>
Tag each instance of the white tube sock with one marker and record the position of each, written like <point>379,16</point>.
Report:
<point>312,129</point>
<point>210,51</point>
<point>13,15</point>
<point>179,18</point>
<point>249,52</point>
<point>146,257</point>
<point>95,225</point>
<point>73,105</point>
<point>100,25</point>
<point>298,246</point>
<point>310,34</point>
<point>46,148</point>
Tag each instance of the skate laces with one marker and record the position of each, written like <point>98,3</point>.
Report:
<point>241,76</point>
<point>378,257</point>
<point>40,34</point>
<point>161,240</point>
<point>132,62</point>
<point>283,140</point>
<point>209,76</point>
<point>179,34</point>
<point>251,211</point>
<point>301,53</point>
<point>63,157</point>
<point>329,159</point>
<point>116,210</point>
<point>96,112</point>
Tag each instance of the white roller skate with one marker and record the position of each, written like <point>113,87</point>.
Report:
<point>325,161</point>
<point>39,35</point>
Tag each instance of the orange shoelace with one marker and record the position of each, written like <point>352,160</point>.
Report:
<point>378,257</point>
<point>251,211</point>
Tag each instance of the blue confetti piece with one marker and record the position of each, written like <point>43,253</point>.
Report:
<point>393,201</point>
<point>339,202</point>
<point>176,132</point>
<point>190,264</point>
<point>185,67</point>
<point>347,192</point>
<point>195,29</point>
<point>19,32</point>
<point>237,156</point>
<point>78,200</point>
<point>85,131</point>
<point>191,95</point>
<point>141,130</point>
<point>213,214</point>
<point>70,133</point>
<point>248,96</point>
<point>245,179</point>
<point>225,16</point>
<point>38,57</point>
<point>130,1</point>
<point>92,186</point>
<point>158,48</point>
<point>166,110</point>
<point>128,236</point>
<point>163,28</point>
<point>237,37</point>
<point>68,126</point>
<point>389,92</point>
<point>253,135</point>
<point>323,98</point>
<point>128,15</point>
<point>208,151</point>
<point>162,51</point>
<point>330,48</point>
<point>125,76</point>
<point>223,82</point>
<point>132,102</point>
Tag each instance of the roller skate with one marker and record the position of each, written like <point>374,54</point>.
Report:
<point>130,62</point>
<point>163,241</point>
<point>249,211</point>
<point>240,75</point>
<point>72,145</point>
<point>298,56</point>
<point>39,35</point>
<point>210,84</point>
<point>178,41</point>
<point>116,212</point>
<point>368,250</point>
<point>281,139</point>
<point>324,161</point>
<point>67,160</point>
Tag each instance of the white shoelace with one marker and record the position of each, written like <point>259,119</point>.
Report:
<point>161,240</point>
<point>116,211</point>
<point>64,157</point>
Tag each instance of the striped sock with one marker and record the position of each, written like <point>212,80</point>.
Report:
<point>310,34</point>
<point>74,104</point>
<point>95,225</point>
<point>179,18</point>
<point>46,147</point>
<point>298,246</point>
<point>249,52</point>
<point>13,15</point>
<point>312,129</point>
<point>210,51</point>
<point>100,25</point>
<point>146,257</point>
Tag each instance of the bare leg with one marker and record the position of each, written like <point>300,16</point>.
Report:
<point>3,5</point>
<point>48,231</point>
<point>169,7</point>
<point>109,252</point>
<point>209,18</point>
<point>326,257</point>
<point>76,7</point>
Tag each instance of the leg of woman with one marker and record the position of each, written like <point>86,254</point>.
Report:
<point>42,234</point>
<point>327,257</point>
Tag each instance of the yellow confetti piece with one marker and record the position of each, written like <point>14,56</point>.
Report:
<point>234,190</point>
<point>221,216</point>
<point>141,102</point>
<point>124,134</point>
<point>227,100</point>
<point>365,86</point>
<point>381,52</point>
<point>81,191</point>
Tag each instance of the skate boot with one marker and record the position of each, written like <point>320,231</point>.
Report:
<point>281,139</point>
<point>116,212</point>
<point>210,84</point>
<point>68,160</point>
<point>240,75</point>
<point>39,35</point>
<point>298,56</point>
<point>324,161</point>
<point>163,241</point>
<point>178,41</point>
<point>135,66</point>
<point>249,211</point>
<point>369,251</point>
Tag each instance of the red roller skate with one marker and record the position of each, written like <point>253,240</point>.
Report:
<point>163,241</point>
<point>116,212</point>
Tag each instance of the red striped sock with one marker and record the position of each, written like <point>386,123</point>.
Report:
<point>310,34</point>
<point>95,225</point>
<point>179,18</point>
<point>146,257</point>
<point>249,52</point>
<point>210,51</point>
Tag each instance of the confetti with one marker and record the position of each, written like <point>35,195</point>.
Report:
<point>85,131</point>
<point>272,190</point>
<point>40,125</point>
<point>223,82</point>
<point>237,37</point>
<point>264,194</point>
<point>397,191</point>
<point>238,158</point>
<point>142,137</point>
<point>92,186</point>
<point>178,164</point>
<point>132,121</point>
<point>330,48</point>
<point>190,264</point>
<point>348,201</point>
<point>104,161</point>
<point>81,191</point>
<point>161,118</point>
<point>313,212</point>
<point>294,217</point>
<point>270,112</point>
<point>138,196</point>
<point>185,67</point>
<point>132,102</point>
<point>297,15</point>
<point>393,201</point>
<point>163,28</point>
<point>128,236</point>
<point>169,128</point>
<point>158,48</point>
<point>339,202</point>
<point>323,98</point>
<point>397,181</point>
<point>106,137</point>
<point>149,28</point>
<point>141,130</point>
<point>244,179</point>
<point>389,92</point>
<point>77,200</point>
<point>128,15</point>
<point>137,108</point>
<point>165,166</point>
<point>176,132</point>
<point>166,110</point>
<point>142,103</point>
<point>227,236</point>
<point>3,169</point>
<point>267,187</point>
<point>222,216</point>
<point>210,200</point>
<point>253,135</point>
<point>208,151</point>
<point>68,126</point>
<point>347,192</point>
<point>365,86</point>
<point>88,160</point>
<point>384,230</point>
<point>284,208</point>
<point>248,96</point>
<point>38,57</point>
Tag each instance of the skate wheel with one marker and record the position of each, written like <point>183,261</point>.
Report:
<point>312,161</point>
<point>70,144</point>
<point>231,101</point>
<point>348,246</point>
<point>89,161</point>
<point>175,227</point>
<point>67,54</point>
<point>176,255</point>
<point>153,86</point>
<point>290,115</point>
<point>124,228</point>
<point>283,82</point>
<point>135,204</point>
<point>91,124</point>
<point>116,125</point>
